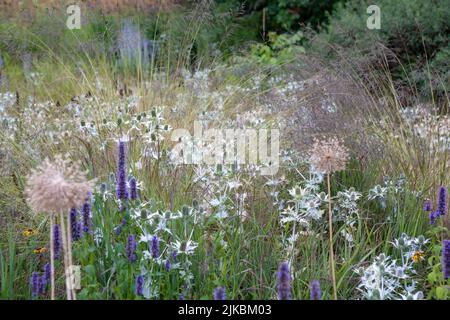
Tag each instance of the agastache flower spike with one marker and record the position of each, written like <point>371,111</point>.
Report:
<point>427,205</point>
<point>121,178</point>
<point>446,258</point>
<point>34,283</point>
<point>139,285</point>
<point>57,241</point>
<point>219,293</point>
<point>131,248</point>
<point>74,225</point>
<point>315,293</point>
<point>442,201</point>
<point>284,282</point>
<point>86,212</point>
<point>133,189</point>
<point>155,247</point>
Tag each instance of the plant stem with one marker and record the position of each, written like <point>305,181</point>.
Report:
<point>66,262</point>
<point>69,253</point>
<point>52,260</point>
<point>330,233</point>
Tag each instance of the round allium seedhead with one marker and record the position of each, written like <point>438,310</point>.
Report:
<point>121,177</point>
<point>284,282</point>
<point>427,205</point>
<point>57,186</point>
<point>442,201</point>
<point>131,248</point>
<point>328,155</point>
<point>139,285</point>
<point>57,241</point>
<point>446,258</point>
<point>219,293</point>
<point>155,247</point>
<point>315,293</point>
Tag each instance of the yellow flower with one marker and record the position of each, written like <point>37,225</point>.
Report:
<point>417,256</point>
<point>29,232</point>
<point>40,250</point>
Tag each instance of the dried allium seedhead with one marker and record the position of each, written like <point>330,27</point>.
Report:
<point>57,186</point>
<point>328,155</point>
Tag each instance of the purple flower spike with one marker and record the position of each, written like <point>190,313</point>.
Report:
<point>57,241</point>
<point>86,212</point>
<point>155,247</point>
<point>434,215</point>
<point>121,178</point>
<point>315,293</point>
<point>47,273</point>
<point>446,258</point>
<point>167,265</point>
<point>427,205</point>
<point>219,293</point>
<point>284,282</point>
<point>34,283</point>
<point>131,248</point>
<point>75,225</point>
<point>133,189</point>
<point>442,201</point>
<point>139,285</point>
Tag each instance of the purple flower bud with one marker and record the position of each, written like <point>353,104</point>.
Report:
<point>131,248</point>
<point>427,205</point>
<point>87,219</point>
<point>34,283</point>
<point>174,256</point>
<point>315,293</point>
<point>121,177</point>
<point>181,297</point>
<point>442,201</point>
<point>57,241</point>
<point>167,265</point>
<point>133,189</point>
<point>47,273</point>
<point>434,215</point>
<point>155,247</point>
<point>74,225</point>
<point>284,282</point>
<point>139,285</point>
<point>446,258</point>
<point>219,293</point>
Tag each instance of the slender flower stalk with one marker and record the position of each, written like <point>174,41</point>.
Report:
<point>219,293</point>
<point>329,156</point>
<point>315,293</point>
<point>284,282</point>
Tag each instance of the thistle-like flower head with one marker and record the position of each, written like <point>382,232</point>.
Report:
<point>57,186</point>
<point>328,155</point>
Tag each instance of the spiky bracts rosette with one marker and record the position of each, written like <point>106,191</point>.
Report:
<point>57,186</point>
